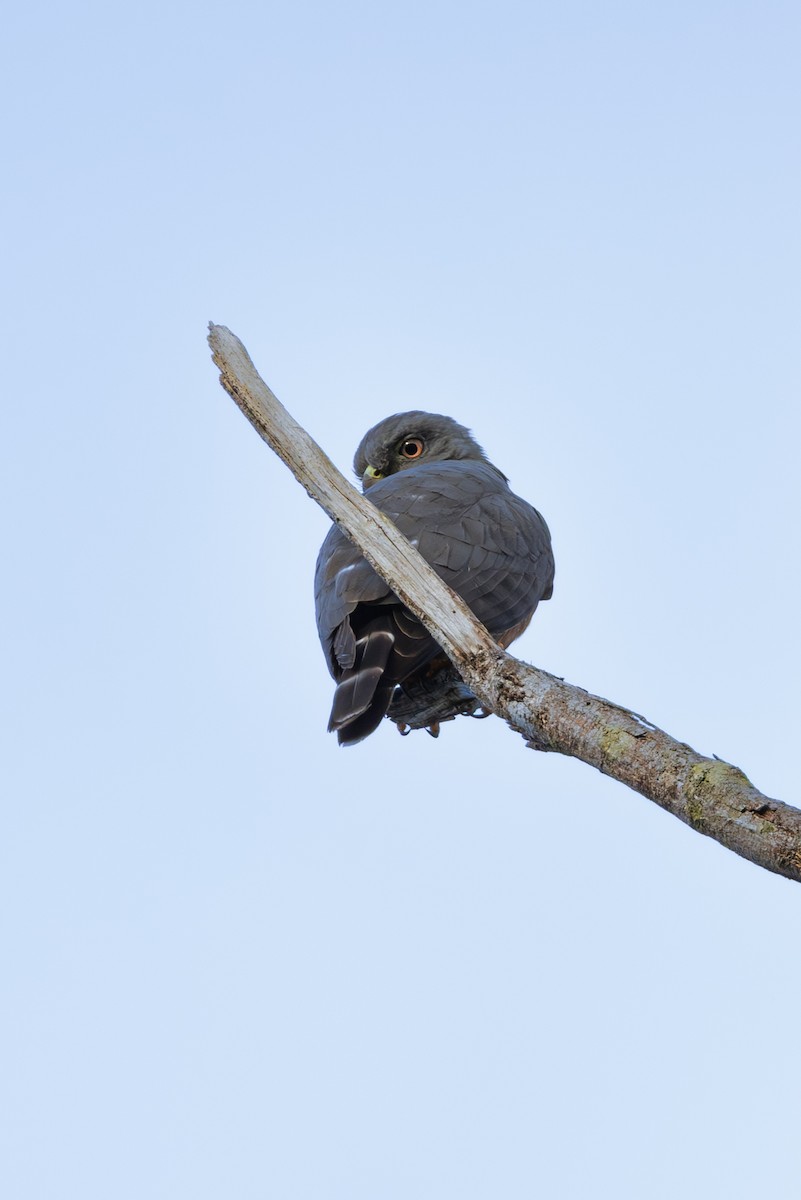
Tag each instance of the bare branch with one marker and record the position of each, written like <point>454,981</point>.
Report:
<point>712,796</point>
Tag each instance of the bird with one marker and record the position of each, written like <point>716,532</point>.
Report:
<point>430,476</point>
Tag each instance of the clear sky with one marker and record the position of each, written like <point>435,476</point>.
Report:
<point>238,961</point>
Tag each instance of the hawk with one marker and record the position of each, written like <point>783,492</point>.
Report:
<point>433,480</point>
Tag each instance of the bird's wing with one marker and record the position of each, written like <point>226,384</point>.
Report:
<point>486,543</point>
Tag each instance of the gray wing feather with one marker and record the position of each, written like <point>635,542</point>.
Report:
<point>484,541</point>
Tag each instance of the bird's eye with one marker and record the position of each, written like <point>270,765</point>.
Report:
<point>411,448</point>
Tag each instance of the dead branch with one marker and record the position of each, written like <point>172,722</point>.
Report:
<point>712,796</point>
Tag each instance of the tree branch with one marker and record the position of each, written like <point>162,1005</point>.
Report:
<point>712,796</point>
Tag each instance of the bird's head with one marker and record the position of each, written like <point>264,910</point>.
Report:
<point>410,439</point>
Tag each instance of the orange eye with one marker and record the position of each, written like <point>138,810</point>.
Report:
<point>411,448</point>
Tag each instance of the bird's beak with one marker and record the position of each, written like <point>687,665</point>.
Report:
<point>371,476</point>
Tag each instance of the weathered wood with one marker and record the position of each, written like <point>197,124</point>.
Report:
<point>712,796</point>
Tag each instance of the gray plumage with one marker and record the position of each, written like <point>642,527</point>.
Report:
<point>428,475</point>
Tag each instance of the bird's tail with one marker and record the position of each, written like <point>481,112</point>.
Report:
<point>361,700</point>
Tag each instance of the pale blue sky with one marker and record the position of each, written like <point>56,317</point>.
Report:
<point>237,960</point>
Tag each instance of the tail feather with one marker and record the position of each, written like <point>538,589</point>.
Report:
<point>359,689</point>
<point>362,726</point>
